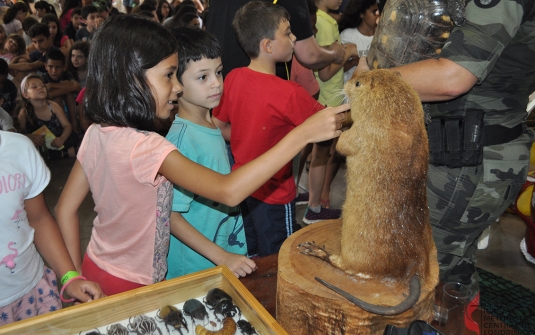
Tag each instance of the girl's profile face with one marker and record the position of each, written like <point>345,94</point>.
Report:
<point>164,85</point>
<point>35,89</point>
<point>78,59</point>
<point>53,28</point>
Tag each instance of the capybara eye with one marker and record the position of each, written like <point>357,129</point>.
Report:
<point>357,83</point>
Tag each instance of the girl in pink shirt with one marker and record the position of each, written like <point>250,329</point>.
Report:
<point>129,168</point>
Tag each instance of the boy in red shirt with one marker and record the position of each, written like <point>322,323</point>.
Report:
<point>262,109</point>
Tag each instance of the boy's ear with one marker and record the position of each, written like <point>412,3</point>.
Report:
<point>265,46</point>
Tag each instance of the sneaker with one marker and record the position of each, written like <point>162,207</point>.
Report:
<point>302,199</point>
<point>324,214</point>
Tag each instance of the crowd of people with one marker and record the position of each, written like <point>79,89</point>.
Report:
<point>184,174</point>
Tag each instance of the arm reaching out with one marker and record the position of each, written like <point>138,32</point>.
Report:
<point>232,188</point>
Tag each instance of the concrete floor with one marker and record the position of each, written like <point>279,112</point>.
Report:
<point>502,256</point>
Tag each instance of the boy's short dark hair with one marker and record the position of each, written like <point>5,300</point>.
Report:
<point>193,45</point>
<point>76,11</point>
<point>39,29</point>
<point>147,6</point>
<point>88,9</point>
<point>255,21</point>
<point>28,23</point>
<point>55,54</point>
<point>4,67</point>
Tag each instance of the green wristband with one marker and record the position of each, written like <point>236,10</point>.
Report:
<point>68,275</point>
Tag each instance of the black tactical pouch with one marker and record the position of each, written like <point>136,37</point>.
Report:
<point>456,141</point>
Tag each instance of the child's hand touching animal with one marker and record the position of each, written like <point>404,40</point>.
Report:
<point>325,124</point>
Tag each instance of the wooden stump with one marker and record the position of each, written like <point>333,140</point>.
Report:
<point>306,307</point>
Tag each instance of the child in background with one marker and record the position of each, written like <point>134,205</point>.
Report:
<point>61,85</point>
<point>77,61</point>
<point>331,83</point>
<point>29,232</point>
<point>127,167</point>
<point>92,20</point>
<point>357,26</point>
<point>207,233</point>
<point>43,7</point>
<point>8,90</point>
<point>13,18</point>
<point>3,37</point>
<point>59,40</point>
<point>14,47</point>
<point>305,77</point>
<point>26,25</point>
<point>67,11</point>
<point>256,111</point>
<point>74,24</point>
<point>35,110</point>
<point>35,61</point>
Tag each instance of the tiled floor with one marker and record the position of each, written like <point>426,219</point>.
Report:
<point>502,257</point>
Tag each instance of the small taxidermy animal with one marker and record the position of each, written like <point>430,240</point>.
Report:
<point>385,230</point>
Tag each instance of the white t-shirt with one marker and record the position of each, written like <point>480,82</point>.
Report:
<point>23,175</point>
<point>352,35</point>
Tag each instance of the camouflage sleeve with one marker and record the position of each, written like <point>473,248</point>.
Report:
<point>490,26</point>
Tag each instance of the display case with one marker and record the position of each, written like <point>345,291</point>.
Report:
<point>116,308</point>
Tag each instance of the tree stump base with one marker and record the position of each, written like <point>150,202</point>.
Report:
<point>304,306</point>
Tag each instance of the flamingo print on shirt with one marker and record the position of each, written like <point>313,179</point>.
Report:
<point>9,260</point>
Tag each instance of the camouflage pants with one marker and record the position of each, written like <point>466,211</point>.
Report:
<point>464,201</point>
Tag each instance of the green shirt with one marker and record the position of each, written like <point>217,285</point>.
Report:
<point>330,90</point>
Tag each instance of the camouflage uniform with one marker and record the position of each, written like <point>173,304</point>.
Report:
<point>496,44</point>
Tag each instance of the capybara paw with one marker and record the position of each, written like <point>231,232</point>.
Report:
<point>311,249</point>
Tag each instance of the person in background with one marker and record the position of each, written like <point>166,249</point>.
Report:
<point>13,47</point>
<point>26,25</point>
<point>59,40</point>
<point>8,89</point>
<point>330,79</point>
<point>92,20</point>
<point>164,10</point>
<point>43,7</point>
<point>77,61</point>
<point>67,10</point>
<point>74,25</point>
<point>13,18</point>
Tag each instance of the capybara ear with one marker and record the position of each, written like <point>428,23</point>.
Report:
<point>372,83</point>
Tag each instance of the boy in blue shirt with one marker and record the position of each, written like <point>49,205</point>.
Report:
<point>204,232</point>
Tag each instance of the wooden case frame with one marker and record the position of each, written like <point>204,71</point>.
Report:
<point>112,309</point>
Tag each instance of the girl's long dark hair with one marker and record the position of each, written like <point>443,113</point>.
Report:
<point>123,49</point>
<point>46,6</point>
<point>84,47</point>
<point>351,14</point>
<point>11,12</point>
<point>59,35</point>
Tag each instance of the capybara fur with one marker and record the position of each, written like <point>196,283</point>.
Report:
<point>385,225</point>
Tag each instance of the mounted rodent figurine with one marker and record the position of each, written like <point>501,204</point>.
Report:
<point>385,232</point>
